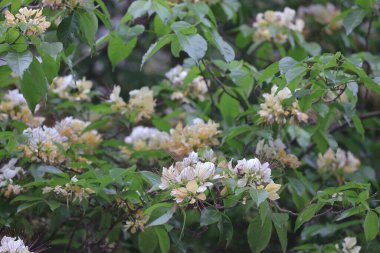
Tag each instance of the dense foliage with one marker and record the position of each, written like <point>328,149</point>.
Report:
<point>189,126</point>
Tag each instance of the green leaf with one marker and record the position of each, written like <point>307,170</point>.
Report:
<point>295,72</point>
<point>353,19</point>
<point>148,241</point>
<point>279,221</point>
<point>34,84</point>
<point>259,234</point>
<point>19,62</point>
<point>358,125</point>
<point>68,29</point>
<point>88,23</point>
<point>269,72</point>
<point>224,48</point>
<point>307,214</point>
<point>161,42</point>
<point>209,216</point>
<point>258,196</point>
<point>162,9</point>
<point>226,229</point>
<point>27,205</point>
<point>229,108</point>
<point>163,239</point>
<point>53,48</point>
<point>286,64</point>
<point>139,8</point>
<point>194,45</point>
<point>371,226</point>
<point>163,219</point>
<point>350,212</point>
<point>118,50</point>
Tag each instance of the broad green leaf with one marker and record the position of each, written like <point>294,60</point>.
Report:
<point>307,214</point>
<point>353,19</point>
<point>358,125</point>
<point>371,226</point>
<point>269,72</point>
<point>226,229</point>
<point>34,84</point>
<point>279,221</point>
<point>148,241</point>
<point>52,48</point>
<point>19,62</point>
<point>286,64</point>
<point>258,196</point>
<point>139,8</point>
<point>224,48</point>
<point>68,29</point>
<point>118,50</point>
<point>209,216</point>
<point>88,23</point>
<point>259,234</point>
<point>163,239</point>
<point>161,42</point>
<point>194,45</point>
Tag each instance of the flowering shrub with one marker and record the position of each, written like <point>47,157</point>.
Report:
<point>189,126</point>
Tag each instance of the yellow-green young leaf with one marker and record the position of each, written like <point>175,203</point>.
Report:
<point>34,84</point>
<point>163,239</point>
<point>259,235</point>
<point>371,226</point>
<point>118,50</point>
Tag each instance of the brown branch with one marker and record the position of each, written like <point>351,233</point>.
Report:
<point>275,204</point>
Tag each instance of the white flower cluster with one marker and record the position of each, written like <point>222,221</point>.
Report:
<point>74,90</point>
<point>181,140</point>
<point>13,245</point>
<point>323,14</point>
<point>188,180</point>
<point>275,151</point>
<point>147,138</point>
<point>273,111</point>
<point>273,25</point>
<point>341,160</point>
<point>29,21</point>
<point>73,129</point>
<point>348,246</point>
<point>43,145</point>
<point>141,102</point>
<point>253,173</point>
<point>196,89</point>
<point>7,173</point>
<point>14,107</point>
<point>71,191</point>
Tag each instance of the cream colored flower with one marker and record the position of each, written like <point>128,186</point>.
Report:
<point>252,173</point>
<point>341,160</point>
<point>147,138</point>
<point>44,144</point>
<point>189,179</point>
<point>14,106</point>
<point>275,151</point>
<point>73,129</point>
<point>273,25</point>
<point>323,14</point>
<point>272,190</point>
<point>67,87</point>
<point>29,21</point>
<point>61,4</point>
<point>137,222</point>
<point>183,140</point>
<point>142,103</point>
<point>349,246</point>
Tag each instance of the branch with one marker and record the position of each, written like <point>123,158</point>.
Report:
<point>339,127</point>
